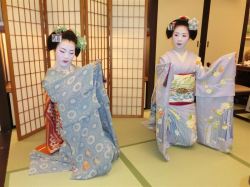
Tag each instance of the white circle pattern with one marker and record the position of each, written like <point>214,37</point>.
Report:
<point>32,171</point>
<point>79,158</point>
<point>99,147</point>
<point>70,80</point>
<point>77,87</point>
<point>71,114</point>
<point>107,154</point>
<point>84,132</point>
<point>91,139</point>
<point>77,127</point>
<point>44,166</point>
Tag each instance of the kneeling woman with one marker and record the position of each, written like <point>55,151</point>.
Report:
<point>180,77</point>
<point>89,142</point>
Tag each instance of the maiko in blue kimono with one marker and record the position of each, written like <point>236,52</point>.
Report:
<point>89,142</point>
<point>180,76</point>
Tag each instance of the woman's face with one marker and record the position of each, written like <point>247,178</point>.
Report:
<point>65,52</point>
<point>180,37</point>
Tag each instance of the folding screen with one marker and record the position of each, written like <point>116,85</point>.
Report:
<point>27,24</point>
<point>128,45</point>
<point>24,37</point>
<point>98,33</point>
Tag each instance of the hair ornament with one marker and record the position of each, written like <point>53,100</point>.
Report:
<point>59,29</point>
<point>171,26</point>
<point>81,42</point>
<point>193,24</point>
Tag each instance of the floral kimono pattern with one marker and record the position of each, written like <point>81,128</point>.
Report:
<point>177,116</point>
<point>90,144</point>
<point>215,91</point>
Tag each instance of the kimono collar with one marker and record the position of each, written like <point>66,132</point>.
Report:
<point>65,71</point>
<point>181,57</point>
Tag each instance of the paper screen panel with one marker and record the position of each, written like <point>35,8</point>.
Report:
<point>65,13</point>
<point>98,36</point>
<point>128,30</point>
<point>27,62</point>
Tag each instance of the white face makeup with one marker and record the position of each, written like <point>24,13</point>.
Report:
<point>180,37</point>
<point>65,52</point>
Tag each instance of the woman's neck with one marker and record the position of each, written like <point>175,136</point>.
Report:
<point>180,51</point>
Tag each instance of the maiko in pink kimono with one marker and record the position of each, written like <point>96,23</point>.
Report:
<point>178,119</point>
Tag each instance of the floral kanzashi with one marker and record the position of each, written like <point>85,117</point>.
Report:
<point>193,24</point>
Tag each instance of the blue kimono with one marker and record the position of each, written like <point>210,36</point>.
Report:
<point>90,144</point>
<point>177,118</point>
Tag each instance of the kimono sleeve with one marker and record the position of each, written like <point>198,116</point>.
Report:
<point>219,79</point>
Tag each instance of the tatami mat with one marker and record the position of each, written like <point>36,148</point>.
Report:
<point>132,131</point>
<point>188,167</point>
<point>142,164</point>
<point>20,150</point>
<point>119,176</point>
<point>241,144</point>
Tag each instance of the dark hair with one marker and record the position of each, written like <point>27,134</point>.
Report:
<point>66,35</point>
<point>180,21</point>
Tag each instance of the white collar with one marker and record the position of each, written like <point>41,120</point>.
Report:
<point>181,57</point>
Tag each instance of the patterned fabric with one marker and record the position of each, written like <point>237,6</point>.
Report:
<point>178,124</point>
<point>90,144</point>
<point>182,89</point>
<point>214,97</point>
<point>52,127</point>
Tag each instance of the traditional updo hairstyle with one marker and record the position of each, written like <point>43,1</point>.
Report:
<point>66,35</point>
<point>192,26</point>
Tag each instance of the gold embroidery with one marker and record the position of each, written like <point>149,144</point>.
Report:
<point>182,90</point>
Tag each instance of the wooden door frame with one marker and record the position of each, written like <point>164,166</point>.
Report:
<point>204,29</point>
<point>152,25</point>
<point>244,31</point>
<point>5,110</point>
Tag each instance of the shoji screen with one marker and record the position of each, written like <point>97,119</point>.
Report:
<point>98,34</point>
<point>24,38</point>
<point>64,13</point>
<point>128,40</point>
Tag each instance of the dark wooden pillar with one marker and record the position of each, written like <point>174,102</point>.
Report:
<point>244,31</point>
<point>204,28</point>
<point>5,110</point>
<point>5,124</point>
<point>152,21</point>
